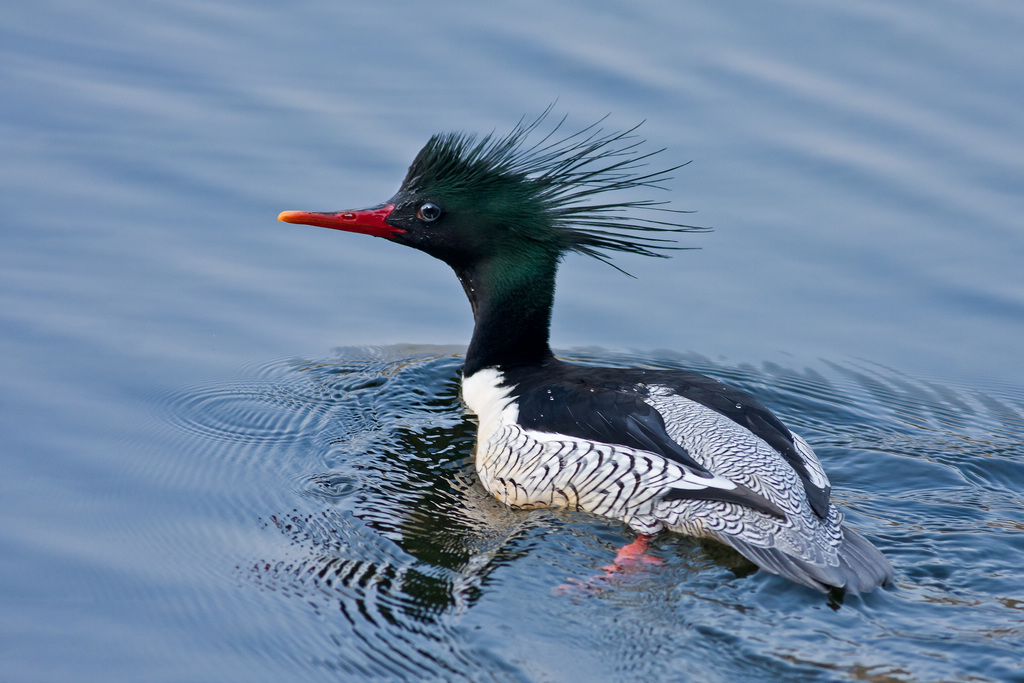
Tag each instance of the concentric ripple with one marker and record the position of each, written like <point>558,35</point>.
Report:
<point>239,413</point>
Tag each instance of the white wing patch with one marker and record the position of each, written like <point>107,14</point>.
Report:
<point>727,449</point>
<point>810,460</point>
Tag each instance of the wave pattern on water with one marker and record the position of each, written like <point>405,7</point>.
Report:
<point>414,571</point>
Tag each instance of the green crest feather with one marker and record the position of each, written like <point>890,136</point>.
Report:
<point>562,180</point>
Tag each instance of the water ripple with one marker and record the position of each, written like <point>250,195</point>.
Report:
<point>413,571</point>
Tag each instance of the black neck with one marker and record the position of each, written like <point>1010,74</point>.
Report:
<point>512,310</point>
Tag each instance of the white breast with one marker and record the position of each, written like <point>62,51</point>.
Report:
<point>489,400</point>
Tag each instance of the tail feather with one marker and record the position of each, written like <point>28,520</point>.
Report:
<point>868,567</point>
<point>861,568</point>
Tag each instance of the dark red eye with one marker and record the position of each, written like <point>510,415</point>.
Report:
<point>428,212</point>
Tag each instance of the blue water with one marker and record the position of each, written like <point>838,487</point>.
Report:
<point>232,449</point>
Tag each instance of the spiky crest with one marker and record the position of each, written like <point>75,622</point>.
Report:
<point>555,180</point>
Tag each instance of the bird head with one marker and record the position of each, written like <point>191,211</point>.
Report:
<point>526,198</point>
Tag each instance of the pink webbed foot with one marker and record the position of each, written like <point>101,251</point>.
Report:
<point>631,555</point>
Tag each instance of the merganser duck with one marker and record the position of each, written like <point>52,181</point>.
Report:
<point>657,449</point>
